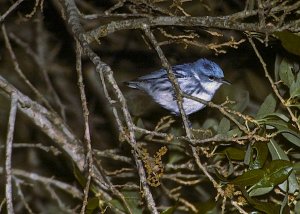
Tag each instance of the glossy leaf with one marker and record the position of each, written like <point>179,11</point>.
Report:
<point>261,155</point>
<point>292,183</point>
<point>278,154</point>
<point>275,173</point>
<point>235,153</point>
<point>257,191</point>
<point>279,170</point>
<point>249,178</point>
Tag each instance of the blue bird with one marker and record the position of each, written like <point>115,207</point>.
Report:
<point>199,79</point>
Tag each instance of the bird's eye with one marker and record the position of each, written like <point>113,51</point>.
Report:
<point>211,78</point>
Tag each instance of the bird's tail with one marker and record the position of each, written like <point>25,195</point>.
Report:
<point>132,84</point>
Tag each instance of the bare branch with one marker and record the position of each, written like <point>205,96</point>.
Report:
<point>8,153</point>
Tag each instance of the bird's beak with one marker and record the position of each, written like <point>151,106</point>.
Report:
<point>225,81</point>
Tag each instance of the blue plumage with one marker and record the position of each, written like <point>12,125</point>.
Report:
<point>200,79</point>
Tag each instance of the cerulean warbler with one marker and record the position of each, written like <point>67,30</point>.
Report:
<point>199,79</point>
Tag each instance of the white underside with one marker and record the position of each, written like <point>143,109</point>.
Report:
<point>166,99</point>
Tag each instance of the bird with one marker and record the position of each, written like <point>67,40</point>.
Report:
<point>200,79</point>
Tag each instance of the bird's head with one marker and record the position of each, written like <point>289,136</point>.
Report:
<point>208,71</point>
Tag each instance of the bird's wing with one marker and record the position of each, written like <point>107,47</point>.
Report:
<point>180,71</point>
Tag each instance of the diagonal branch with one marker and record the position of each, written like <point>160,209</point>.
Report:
<point>50,123</point>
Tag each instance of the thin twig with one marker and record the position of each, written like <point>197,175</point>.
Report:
<point>2,204</point>
<point>20,193</point>
<point>273,85</point>
<point>87,136</point>
<point>8,153</point>
<point>20,72</point>
<point>72,190</point>
<point>9,10</point>
<point>52,149</point>
<point>239,208</point>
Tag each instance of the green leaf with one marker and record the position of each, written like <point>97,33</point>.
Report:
<point>260,151</point>
<point>292,138</point>
<point>224,126</point>
<point>140,124</point>
<point>248,155</point>
<point>292,183</point>
<point>267,107</point>
<point>243,101</point>
<point>284,127</point>
<point>261,154</point>
<point>249,178</point>
<point>295,87</point>
<point>234,133</point>
<point>278,154</point>
<point>207,207</point>
<point>295,92</point>
<point>170,210</point>
<point>290,41</point>
<point>284,205</point>
<point>210,123</point>
<point>93,203</point>
<point>275,173</point>
<point>235,153</point>
<point>297,167</point>
<point>269,208</point>
<point>133,199</point>
<point>286,73</point>
<point>260,191</point>
<point>278,171</point>
<point>266,207</point>
<point>297,207</point>
<point>277,115</point>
